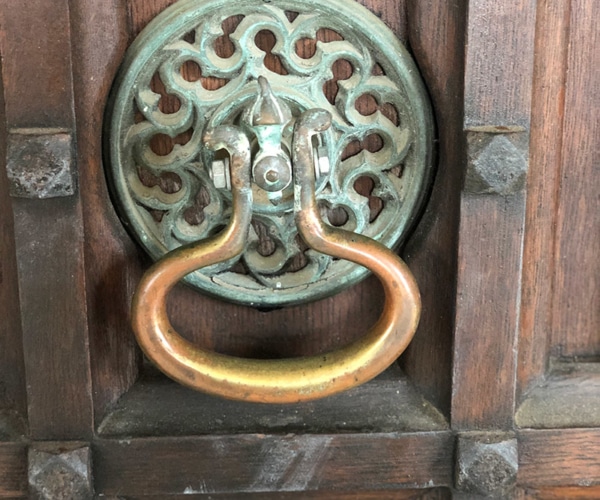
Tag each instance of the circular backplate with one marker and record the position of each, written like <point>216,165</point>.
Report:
<point>195,66</point>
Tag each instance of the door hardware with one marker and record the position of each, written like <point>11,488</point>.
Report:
<point>262,158</point>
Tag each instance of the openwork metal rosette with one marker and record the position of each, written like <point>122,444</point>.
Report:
<point>197,67</point>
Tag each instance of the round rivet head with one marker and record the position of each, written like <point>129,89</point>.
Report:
<point>273,173</point>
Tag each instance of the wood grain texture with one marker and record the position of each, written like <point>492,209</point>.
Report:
<point>48,233</point>
<point>567,457</point>
<point>497,95</point>
<point>37,64</point>
<point>49,243</point>
<point>141,12</point>
<point>436,37</point>
<point>111,269</point>
<point>13,470</point>
<point>432,494</point>
<point>499,58</point>
<point>266,463</point>
<point>576,320</point>
<point>539,256</point>
<point>489,267</point>
<point>12,375</point>
<point>591,493</point>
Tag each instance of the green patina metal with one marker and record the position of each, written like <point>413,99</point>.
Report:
<point>282,271</point>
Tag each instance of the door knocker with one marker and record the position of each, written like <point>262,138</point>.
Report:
<point>260,196</point>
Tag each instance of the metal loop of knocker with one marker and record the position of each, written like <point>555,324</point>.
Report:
<point>268,149</point>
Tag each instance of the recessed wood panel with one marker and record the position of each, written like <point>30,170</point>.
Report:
<point>576,306</point>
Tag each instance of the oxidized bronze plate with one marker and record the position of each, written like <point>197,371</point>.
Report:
<point>196,66</point>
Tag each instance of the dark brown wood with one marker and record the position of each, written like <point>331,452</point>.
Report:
<point>576,304</point>
<point>37,75</point>
<point>13,470</point>
<point>566,457</point>
<point>539,255</point>
<point>49,243</point>
<point>436,36</point>
<point>433,494</point>
<point>592,493</point>
<point>12,375</point>
<point>486,318</point>
<point>111,258</point>
<point>499,57</point>
<point>48,233</point>
<point>267,463</point>
<point>497,100</point>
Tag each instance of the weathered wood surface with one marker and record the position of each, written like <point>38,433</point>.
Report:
<point>576,302</point>
<point>564,457</point>
<point>51,280</point>
<point>36,69</point>
<point>539,259</point>
<point>267,463</point>
<point>183,412</point>
<point>12,375</point>
<point>591,493</point>
<point>112,269</point>
<point>436,37</point>
<point>561,302</point>
<point>569,396</point>
<point>48,233</point>
<point>433,494</point>
<point>13,470</point>
<point>497,100</point>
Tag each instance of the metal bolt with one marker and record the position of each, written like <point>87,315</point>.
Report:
<point>273,173</point>
<point>220,175</point>
<point>322,163</point>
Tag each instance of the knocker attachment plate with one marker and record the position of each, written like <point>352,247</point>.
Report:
<point>201,65</point>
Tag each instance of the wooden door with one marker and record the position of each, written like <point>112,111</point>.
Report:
<point>497,396</point>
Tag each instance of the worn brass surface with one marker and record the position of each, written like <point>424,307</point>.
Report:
<point>167,198</point>
<point>287,380</point>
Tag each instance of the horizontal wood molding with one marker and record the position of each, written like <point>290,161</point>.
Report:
<point>13,470</point>
<point>271,463</point>
<point>565,457</point>
<point>432,494</point>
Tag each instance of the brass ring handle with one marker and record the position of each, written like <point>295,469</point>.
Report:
<point>286,380</point>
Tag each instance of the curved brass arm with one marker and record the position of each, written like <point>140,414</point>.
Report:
<point>287,380</point>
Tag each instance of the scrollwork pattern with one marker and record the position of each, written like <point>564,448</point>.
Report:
<point>275,259</point>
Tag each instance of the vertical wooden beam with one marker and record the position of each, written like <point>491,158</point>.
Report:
<point>111,256</point>
<point>12,374</point>
<point>436,37</point>
<point>498,77</point>
<point>35,43</point>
